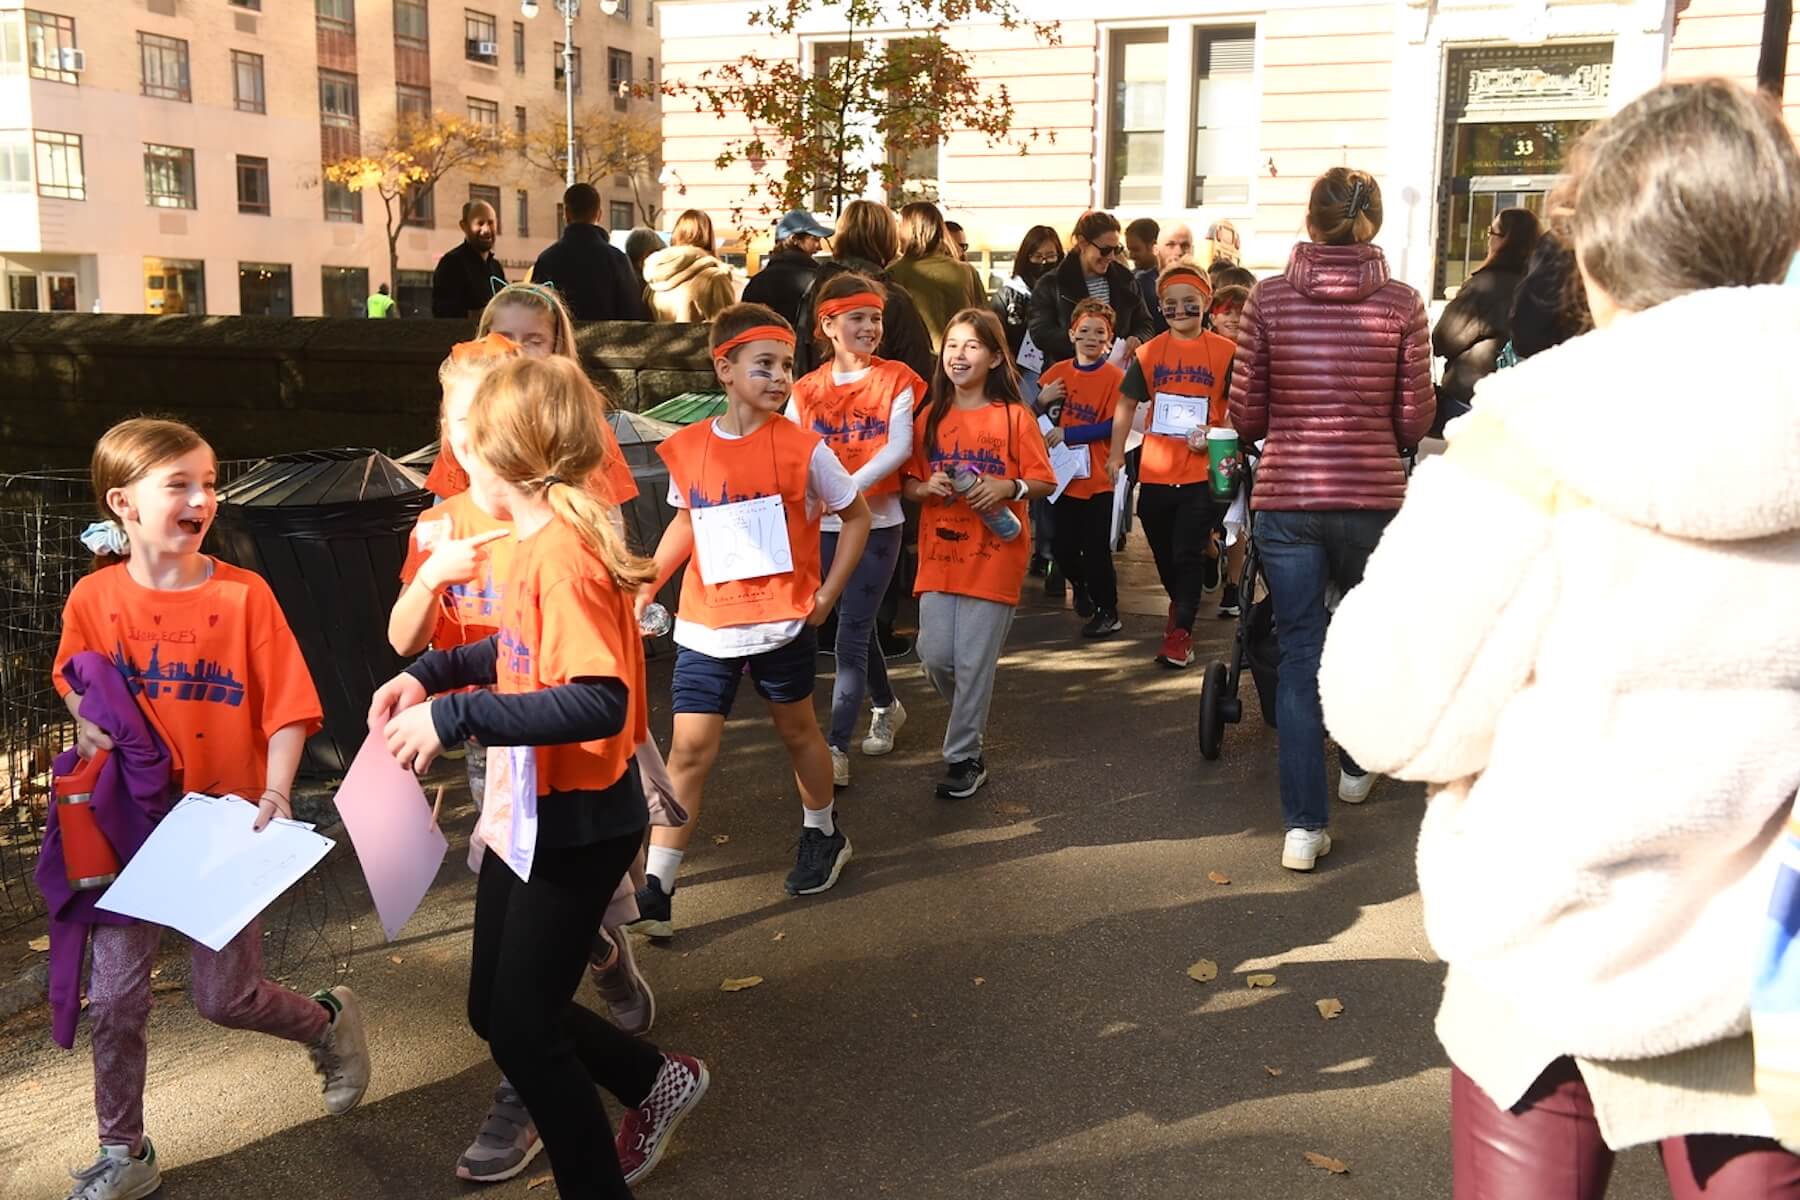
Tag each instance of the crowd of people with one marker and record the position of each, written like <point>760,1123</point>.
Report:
<point>1610,761</point>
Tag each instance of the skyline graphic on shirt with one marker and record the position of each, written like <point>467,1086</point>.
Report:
<point>981,459</point>
<point>696,499</point>
<point>203,680</point>
<point>515,653</point>
<point>483,599</point>
<point>1195,373</point>
<point>851,429</point>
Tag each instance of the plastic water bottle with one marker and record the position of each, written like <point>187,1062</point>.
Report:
<point>655,620</point>
<point>1000,518</point>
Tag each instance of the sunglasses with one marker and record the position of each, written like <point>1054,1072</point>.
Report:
<point>1044,260</point>
<point>1108,251</point>
<point>1185,308</point>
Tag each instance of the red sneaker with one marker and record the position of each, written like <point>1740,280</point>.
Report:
<point>1177,649</point>
<point>644,1132</point>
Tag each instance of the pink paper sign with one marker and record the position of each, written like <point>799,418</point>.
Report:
<point>389,822</point>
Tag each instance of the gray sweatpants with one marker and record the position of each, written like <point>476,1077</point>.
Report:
<point>960,639</point>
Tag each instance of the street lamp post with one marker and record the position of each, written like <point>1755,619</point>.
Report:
<point>568,9</point>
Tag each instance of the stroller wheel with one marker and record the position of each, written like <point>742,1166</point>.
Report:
<point>1212,711</point>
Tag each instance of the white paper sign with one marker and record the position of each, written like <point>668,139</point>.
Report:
<point>1030,357</point>
<point>746,539</point>
<point>1176,415</point>
<point>205,872</point>
<point>1069,462</point>
<point>509,810</point>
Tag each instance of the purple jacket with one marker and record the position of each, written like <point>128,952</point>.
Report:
<point>130,797</point>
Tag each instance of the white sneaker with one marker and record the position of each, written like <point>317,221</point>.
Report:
<point>115,1175</point>
<point>1354,789</point>
<point>840,767</point>
<point>1304,847</point>
<point>341,1055</point>
<point>884,725</point>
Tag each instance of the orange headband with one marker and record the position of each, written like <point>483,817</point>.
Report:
<point>844,304</point>
<point>1181,274</point>
<point>756,333</point>
<point>494,345</point>
<point>1074,321</point>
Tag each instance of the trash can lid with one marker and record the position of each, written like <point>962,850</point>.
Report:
<point>638,429</point>
<point>688,407</point>
<point>322,477</point>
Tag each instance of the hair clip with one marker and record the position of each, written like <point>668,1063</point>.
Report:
<point>550,481</point>
<point>1358,201</point>
<point>106,537</point>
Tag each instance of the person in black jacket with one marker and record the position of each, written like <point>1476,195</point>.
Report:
<point>1477,322</point>
<point>1092,269</point>
<point>1039,251</point>
<point>788,273</point>
<point>593,276</point>
<point>866,241</point>
<point>1550,306</point>
<point>465,278</point>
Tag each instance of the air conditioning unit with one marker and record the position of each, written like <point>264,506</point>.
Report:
<point>487,49</point>
<point>70,59</point>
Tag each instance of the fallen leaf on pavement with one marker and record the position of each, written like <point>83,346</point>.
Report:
<point>719,839</point>
<point>1257,981</point>
<point>979,981</point>
<point>165,985</point>
<point>1012,809</point>
<point>1274,1072</point>
<point>778,937</point>
<point>40,944</point>
<point>1218,877</point>
<point>393,958</point>
<point>538,1182</point>
<point>1204,971</point>
<point>1325,1162</point>
<point>1329,1009</point>
<point>738,985</point>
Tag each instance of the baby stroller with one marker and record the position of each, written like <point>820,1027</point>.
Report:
<point>1253,645</point>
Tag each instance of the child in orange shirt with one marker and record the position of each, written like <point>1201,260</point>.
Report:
<point>1183,374</point>
<point>1226,315</point>
<point>168,615</point>
<point>749,488</point>
<point>1083,392</point>
<point>565,813</point>
<point>862,406</point>
<point>969,575</point>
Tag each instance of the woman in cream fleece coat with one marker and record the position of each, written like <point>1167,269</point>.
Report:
<point>1582,631</point>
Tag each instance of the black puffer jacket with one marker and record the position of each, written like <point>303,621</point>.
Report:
<point>1054,298</point>
<point>1475,325</point>
<point>1013,307</point>
<point>903,335</point>
<point>783,282</point>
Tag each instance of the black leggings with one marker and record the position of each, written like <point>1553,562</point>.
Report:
<point>1178,524</point>
<point>1083,541</point>
<point>531,947</point>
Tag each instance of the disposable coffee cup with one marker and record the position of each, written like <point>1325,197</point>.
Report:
<point>1222,462</point>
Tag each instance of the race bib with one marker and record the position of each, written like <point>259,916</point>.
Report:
<point>1176,415</point>
<point>746,539</point>
<point>509,812</point>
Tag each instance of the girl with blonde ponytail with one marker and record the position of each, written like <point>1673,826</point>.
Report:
<point>565,813</point>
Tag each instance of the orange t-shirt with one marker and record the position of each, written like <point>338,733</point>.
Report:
<point>467,612</point>
<point>564,618</point>
<point>958,553</point>
<point>612,482</point>
<point>215,669</point>
<point>1093,397</point>
<point>852,418</point>
<point>1182,367</point>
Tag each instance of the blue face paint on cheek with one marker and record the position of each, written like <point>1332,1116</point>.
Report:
<point>761,373</point>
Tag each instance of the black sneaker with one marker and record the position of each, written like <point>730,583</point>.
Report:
<point>817,861</point>
<point>894,646</point>
<point>654,919</point>
<point>962,780</point>
<point>1102,624</point>
<point>1211,576</point>
<point>1039,564</point>
<point>1055,586</point>
<point>1084,603</point>
<point>1228,603</point>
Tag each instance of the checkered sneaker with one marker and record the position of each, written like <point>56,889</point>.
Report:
<point>645,1131</point>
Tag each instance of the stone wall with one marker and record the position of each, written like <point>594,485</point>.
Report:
<point>262,385</point>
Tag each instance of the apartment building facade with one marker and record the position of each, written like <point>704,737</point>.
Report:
<point>165,155</point>
<point>1229,109</point>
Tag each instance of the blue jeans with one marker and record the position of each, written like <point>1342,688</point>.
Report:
<point>860,666</point>
<point>1302,553</point>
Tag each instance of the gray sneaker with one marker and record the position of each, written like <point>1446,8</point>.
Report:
<point>341,1054</point>
<point>115,1175</point>
<point>884,725</point>
<point>505,1144</point>
<point>613,968</point>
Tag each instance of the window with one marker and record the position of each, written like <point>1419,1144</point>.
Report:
<point>412,102</point>
<point>345,291</point>
<point>489,196</point>
<point>337,99</point>
<point>253,185</point>
<point>59,170</point>
<point>484,112</point>
<point>342,204</point>
<point>252,5</point>
<point>649,12</point>
<point>412,291</point>
<point>522,225</point>
<point>168,176</point>
<point>619,212</point>
<point>481,34</point>
<point>519,47</point>
<point>618,75</point>
<point>650,71</point>
<point>412,24</point>
<point>421,206</point>
<point>519,119</point>
<point>336,14</point>
<point>50,51</point>
<point>557,70</point>
<point>623,12</point>
<point>59,290</point>
<point>175,285</point>
<point>163,67</point>
<point>15,161</point>
<point>21,292</point>
<point>1138,114</point>
<point>12,46</point>
<point>265,290</point>
<point>1225,116</point>
<point>247,81</point>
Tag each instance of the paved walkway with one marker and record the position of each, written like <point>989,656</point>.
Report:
<point>994,1002</point>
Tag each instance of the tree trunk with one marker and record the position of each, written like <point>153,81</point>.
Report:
<point>1771,63</point>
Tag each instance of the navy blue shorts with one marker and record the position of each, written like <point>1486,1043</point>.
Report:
<point>704,684</point>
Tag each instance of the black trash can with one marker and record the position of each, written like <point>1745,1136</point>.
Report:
<point>328,529</point>
<point>647,516</point>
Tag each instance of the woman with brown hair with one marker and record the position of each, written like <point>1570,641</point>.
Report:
<point>1094,269</point>
<point>939,282</point>
<point>1477,322</point>
<point>685,281</point>
<point>1039,251</point>
<point>1334,368</point>
<point>1610,760</point>
<point>866,241</point>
